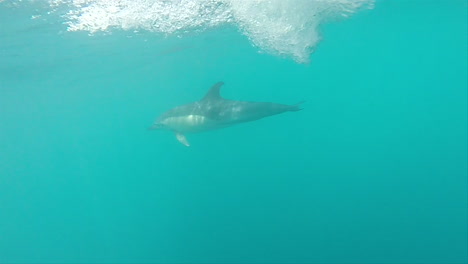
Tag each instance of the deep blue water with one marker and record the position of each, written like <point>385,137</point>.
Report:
<point>373,170</point>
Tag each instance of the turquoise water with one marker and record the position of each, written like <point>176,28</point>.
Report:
<point>373,170</point>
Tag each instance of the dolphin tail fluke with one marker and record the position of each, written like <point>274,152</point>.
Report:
<point>296,107</point>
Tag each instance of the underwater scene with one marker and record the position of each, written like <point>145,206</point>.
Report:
<point>233,131</point>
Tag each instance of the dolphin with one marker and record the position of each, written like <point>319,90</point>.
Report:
<point>214,112</point>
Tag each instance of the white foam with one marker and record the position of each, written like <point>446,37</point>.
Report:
<point>290,28</point>
<point>165,16</point>
<point>281,27</point>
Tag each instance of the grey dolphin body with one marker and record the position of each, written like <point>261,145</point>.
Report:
<point>214,112</point>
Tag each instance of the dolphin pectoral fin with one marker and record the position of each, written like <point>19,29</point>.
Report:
<point>182,139</point>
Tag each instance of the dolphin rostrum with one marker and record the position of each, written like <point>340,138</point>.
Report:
<point>213,112</point>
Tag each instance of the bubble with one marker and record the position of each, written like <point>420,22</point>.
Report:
<point>283,28</point>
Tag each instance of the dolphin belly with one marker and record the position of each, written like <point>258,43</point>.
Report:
<point>190,123</point>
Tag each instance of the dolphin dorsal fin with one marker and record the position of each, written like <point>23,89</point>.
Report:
<point>213,93</point>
